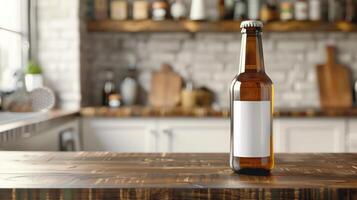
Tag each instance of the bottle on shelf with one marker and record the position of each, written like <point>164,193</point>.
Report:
<point>100,9</point>
<point>253,9</point>
<point>286,11</point>
<point>140,10</point>
<point>213,11</point>
<point>90,9</point>
<point>118,10</point>
<point>251,102</point>
<point>129,86</point>
<point>335,12</point>
<point>198,10</point>
<point>228,9</point>
<point>350,11</point>
<point>221,9</point>
<point>315,13</point>
<point>160,10</point>
<point>268,11</point>
<point>301,10</point>
<point>240,10</point>
<point>178,10</point>
<point>108,87</point>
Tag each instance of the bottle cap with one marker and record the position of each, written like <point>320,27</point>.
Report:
<point>251,23</point>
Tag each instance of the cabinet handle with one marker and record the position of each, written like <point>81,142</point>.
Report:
<point>153,132</point>
<point>167,131</point>
<point>168,134</point>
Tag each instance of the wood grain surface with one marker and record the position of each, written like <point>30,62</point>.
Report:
<point>213,26</point>
<point>202,112</point>
<point>103,175</point>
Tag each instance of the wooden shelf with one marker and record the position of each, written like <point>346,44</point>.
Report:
<point>219,26</point>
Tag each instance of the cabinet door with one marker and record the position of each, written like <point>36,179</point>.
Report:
<point>352,135</point>
<point>194,135</point>
<point>309,135</point>
<point>44,141</point>
<point>119,135</point>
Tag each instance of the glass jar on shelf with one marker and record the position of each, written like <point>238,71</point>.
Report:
<point>160,10</point>
<point>140,10</point>
<point>301,10</point>
<point>118,10</point>
<point>286,11</point>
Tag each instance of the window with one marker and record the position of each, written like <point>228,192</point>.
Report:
<point>14,40</point>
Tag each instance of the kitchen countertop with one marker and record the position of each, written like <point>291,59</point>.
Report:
<point>13,125</point>
<point>104,175</point>
<point>140,111</point>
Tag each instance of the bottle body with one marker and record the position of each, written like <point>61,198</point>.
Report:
<point>251,102</point>
<point>251,123</point>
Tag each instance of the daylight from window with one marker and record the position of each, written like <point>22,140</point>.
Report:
<point>12,34</point>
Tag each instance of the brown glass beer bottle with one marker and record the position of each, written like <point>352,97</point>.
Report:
<point>251,96</point>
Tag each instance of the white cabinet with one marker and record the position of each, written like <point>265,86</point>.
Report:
<point>48,140</point>
<point>352,135</point>
<point>310,135</point>
<point>156,135</point>
<point>291,135</point>
<point>195,135</point>
<point>119,135</point>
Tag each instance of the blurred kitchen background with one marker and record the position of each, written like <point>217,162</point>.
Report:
<point>152,76</point>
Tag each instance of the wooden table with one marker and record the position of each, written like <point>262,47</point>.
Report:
<point>94,175</point>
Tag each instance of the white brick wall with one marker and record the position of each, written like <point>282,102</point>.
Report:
<point>67,50</point>
<point>59,49</point>
<point>212,60</point>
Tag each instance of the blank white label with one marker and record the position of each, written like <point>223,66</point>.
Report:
<point>251,128</point>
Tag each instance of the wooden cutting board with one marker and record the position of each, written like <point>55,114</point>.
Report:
<point>166,88</point>
<point>334,83</point>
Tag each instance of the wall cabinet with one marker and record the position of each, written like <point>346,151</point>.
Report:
<point>291,135</point>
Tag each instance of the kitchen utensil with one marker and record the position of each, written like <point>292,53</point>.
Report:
<point>165,88</point>
<point>334,83</point>
<point>42,99</point>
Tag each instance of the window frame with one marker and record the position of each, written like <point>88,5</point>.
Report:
<point>27,32</point>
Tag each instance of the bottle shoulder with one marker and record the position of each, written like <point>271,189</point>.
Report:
<point>260,77</point>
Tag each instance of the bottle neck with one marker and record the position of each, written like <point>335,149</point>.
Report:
<point>251,57</point>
